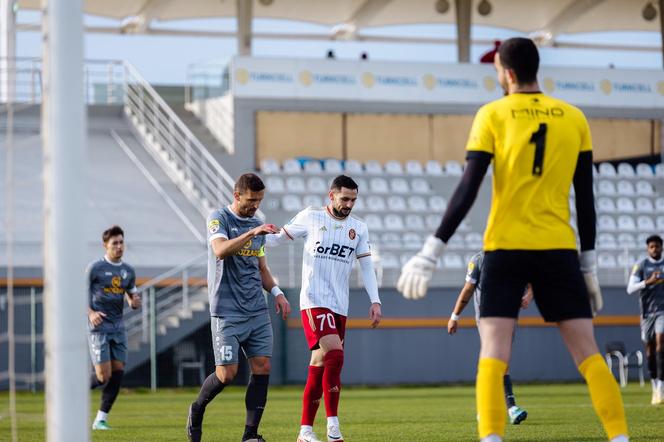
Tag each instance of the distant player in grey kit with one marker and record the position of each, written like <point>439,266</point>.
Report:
<point>110,282</point>
<point>648,281</point>
<point>473,287</point>
<point>237,275</point>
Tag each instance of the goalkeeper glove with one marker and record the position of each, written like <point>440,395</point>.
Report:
<point>416,273</point>
<point>588,260</point>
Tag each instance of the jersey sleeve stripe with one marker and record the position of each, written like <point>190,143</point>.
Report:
<point>217,235</point>
<point>288,234</point>
<point>363,255</point>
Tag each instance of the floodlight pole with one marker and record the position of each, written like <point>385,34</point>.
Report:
<point>7,50</point>
<point>65,298</point>
<point>244,29</point>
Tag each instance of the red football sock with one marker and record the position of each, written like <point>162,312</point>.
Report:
<point>332,362</point>
<point>312,394</point>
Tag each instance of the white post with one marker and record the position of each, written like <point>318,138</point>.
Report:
<point>65,298</point>
<point>7,50</point>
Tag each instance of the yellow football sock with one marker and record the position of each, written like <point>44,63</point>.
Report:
<point>605,395</point>
<point>491,397</point>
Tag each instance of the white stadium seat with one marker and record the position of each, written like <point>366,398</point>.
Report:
<point>625,260</point>
<point>291,166</point>
<point>362,184</point>
<point>373,167</point>
<point>643,187</point>
<point>397,203</point>
<point>394,168</point>
<point>644,205</point>
<point>291,203</point>
<point>415,222</point>
<point>626,223</point>
<point>360,205</point>
<point>659,204</point>
<point>399,185</point>
<point>313,167</point>
<point>274,184</point>
<point>333,166</point>
<point>606,187</point>
<point>452,261</point>
<point>390,240</point>
<point>606,261</point>
<point>606,241</point>
<point>316,184</point>
<point>625,170</point>
<point>456,242</point>
<point>270,166</point>
<point>390,261</point>
<point>312,200</point>
<point>295,184</point>
<point>453,168</point>
<point>420,185</point>
<point>624,205</point>
<point>606,223</point>
<point>438,204</point>
<point>659,170</point>
<point>433,221</point>
<point>353,167</point>
<point>605,205</point>
<point>379,185</point>
<point>626,240</point>
<point>645,223</point>
<point>434,168</point>
<point>417,204</point>
<point>625,188</point>
<point>374,222</point>
<point>394,222</point>
<point>474,240</point>
<point>644,170</point>
<point>411,241</point>
<point>375,203</point>
<point>606,170</point>
<point>660,223</point>
<point>414,167</point>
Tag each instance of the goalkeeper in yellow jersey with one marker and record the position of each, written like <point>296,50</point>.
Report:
<point>539,147</point>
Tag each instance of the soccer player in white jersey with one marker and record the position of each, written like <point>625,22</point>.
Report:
<point>333,240</point>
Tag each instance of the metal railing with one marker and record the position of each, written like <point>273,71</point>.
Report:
<point>208,79</point>
<point>174,147</point>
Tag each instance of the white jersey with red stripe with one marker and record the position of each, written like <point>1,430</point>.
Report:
<point>331,246</point>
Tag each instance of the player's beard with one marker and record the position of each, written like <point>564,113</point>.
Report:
<point>339,212</point>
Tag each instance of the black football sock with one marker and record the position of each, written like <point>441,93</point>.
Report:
<point>652,365</point>
<point>509,395</point>
<point>211,387</point>
<point>660,365</point>
<point>255,400</point>
<point>111,390</point>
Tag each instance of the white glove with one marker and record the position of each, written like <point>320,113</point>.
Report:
<point>417,272</point>
<point>588,260</point>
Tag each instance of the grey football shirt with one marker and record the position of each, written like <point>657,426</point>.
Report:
<point>107,284</point>
<point>652,297</point>
<point>235,287</point>
<point>473,275</point>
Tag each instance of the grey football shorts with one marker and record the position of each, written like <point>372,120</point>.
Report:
<point>651,326</point>
<point>253,334</point>
<point>108,346</point>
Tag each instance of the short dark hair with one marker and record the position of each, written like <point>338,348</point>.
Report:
<point>249,181</point>
<point>654,238</point>
<point>110,232</point>
<point>343,181</point>
<point>520,55</point>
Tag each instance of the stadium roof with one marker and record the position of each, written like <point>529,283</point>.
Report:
<point>543,19</point>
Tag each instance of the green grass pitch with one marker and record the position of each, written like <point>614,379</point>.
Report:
<point>556,413</point>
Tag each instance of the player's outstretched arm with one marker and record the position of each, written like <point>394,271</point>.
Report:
<point>223,247</point>
<point>371,286</point>
<point>417,272</point>
<point>586,219</point>
<point>461,302</point>
<point>281,304</point>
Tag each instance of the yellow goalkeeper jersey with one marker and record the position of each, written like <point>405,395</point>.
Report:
<point>535,141</point>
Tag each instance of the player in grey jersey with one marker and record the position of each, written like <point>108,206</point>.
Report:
<point>473,287</point>
<point>647,280</point>
<point>110,282</point>
<point>237,275</point>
